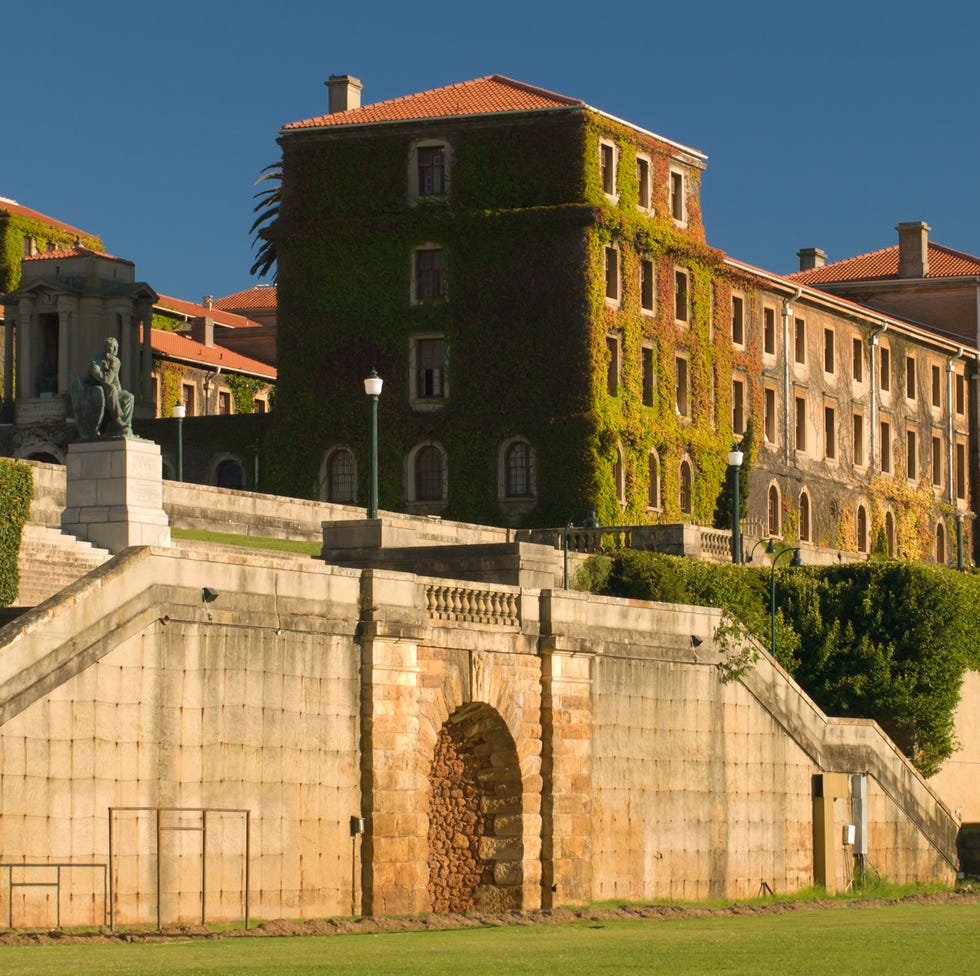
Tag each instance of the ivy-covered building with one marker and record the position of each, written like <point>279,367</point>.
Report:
<point>530,277</point>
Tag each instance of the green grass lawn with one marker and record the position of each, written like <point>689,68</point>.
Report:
<point>902,939</point>
<point>249,541</point>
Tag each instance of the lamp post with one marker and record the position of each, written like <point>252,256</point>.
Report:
<point>735,458</point>
<point>795,561</point>
<point>180,411</point>
<point>372,387</point>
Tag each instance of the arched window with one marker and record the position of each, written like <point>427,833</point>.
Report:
<point>229,474</point>
<point>862,529</point>
<point>686,487</point>
<point>619,479</point>
<point>517,470</point>
<point>804,517</point>
<point>428,474</point>
<point>653,489</point>
<point>341,477</point>
<point>774,520</point>
<point>889,535</point>
<point>940,544</point>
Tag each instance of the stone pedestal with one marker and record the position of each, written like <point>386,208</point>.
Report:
<point>114,494</point>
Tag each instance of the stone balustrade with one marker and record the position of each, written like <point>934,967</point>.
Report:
<point>447,601</point>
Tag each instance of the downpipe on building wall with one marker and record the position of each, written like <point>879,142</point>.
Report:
<point>873,387</point>
<point>787,312</point>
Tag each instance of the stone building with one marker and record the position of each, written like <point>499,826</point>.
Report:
<point>530,277</point>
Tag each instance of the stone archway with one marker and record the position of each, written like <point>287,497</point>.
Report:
<point>475,823</point>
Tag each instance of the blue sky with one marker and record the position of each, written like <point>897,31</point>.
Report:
<point>825,123</point>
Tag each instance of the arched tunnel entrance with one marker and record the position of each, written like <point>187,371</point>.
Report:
<point>475,824</point>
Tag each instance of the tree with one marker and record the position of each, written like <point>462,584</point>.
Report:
<point>267,210</point>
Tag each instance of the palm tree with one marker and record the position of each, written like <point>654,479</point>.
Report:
<point>267,210</point>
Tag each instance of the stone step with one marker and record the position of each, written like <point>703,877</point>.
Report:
<point>49,560</point>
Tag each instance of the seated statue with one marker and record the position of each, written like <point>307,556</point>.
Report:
<point>102,407</point>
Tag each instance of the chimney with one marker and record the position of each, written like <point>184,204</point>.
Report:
<point>345,93</point>
<point>913,249</point>
<point>207,301</point>
<point>811,257</point>
<point>202,330</point>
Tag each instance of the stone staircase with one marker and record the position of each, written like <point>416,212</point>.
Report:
<point>50,560</point>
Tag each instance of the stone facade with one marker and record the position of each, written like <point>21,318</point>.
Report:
<point>597,752</point>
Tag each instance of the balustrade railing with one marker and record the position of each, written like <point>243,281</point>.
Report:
<point>446,601</point>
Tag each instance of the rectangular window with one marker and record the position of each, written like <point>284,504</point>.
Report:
<point>432,170</point>
<point>738,407</point>
<point>682,399</point>
<point>428,274</point>
<point>886,368</point>
<point>960,393</point>
<point>612,365</point>
<point>648,368</point>
<point>886,447</point>
<point>828,350</point>
<point>801,423</point>
<point>224,403</point>
<point>800,346</point>
<point>770,415</point>
<point>961,471</point>
<point>911,460</point>
<point>680,296</point>
<point>643,182</point>
<point>937,386</point>
<point>910,377</point>
<point>259,406</point>
<point>937,461</point>
<point>738,321</point>
<point>677,196</point>
<point>187,395</point>
<point>612,274</point>
<point>646,285</point>
<point>857,360</point>
<point>830,432</point>
<point>607,163</point>
<point>430,370</point>
<point>858,440</point>
<point>769,331</point>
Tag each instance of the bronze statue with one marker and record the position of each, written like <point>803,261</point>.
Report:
<point>102,407</point>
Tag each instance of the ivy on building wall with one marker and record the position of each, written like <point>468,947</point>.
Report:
<point>16,492</point>
<point>243,391</point>
<point>886,640</point>
<point>15,228</point>
<point>171,375</point>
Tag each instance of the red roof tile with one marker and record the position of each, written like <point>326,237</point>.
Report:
<point>13,207</point>
<point>944,262</point>
<point>190,310</point>
<point>176,346</point>
<point>76,251</point>
<point>480,96</point>
<point>260,296</point>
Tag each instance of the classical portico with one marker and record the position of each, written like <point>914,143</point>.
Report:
<point>67,303</point>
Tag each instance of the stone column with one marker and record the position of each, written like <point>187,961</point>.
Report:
<point>566,723</point>
<point>25,368</point>
<point>64,349</point>
<point>8,361</point>
<point>144,314</point>
<point>393,781</point>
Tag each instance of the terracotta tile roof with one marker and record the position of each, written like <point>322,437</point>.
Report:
<point>944,262</point>
<point>481,96</point>
<point>175,346</point>
<point>260,296</point>
<point>190,310</point>
<point>76,251</point>
<point>13,207</point>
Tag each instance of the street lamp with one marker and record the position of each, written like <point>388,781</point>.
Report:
<point>735,458</point>
<point>180,411</point>
<point>795,561</point>
<point>372,387</point>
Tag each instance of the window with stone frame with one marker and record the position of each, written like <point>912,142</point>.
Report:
<point>738,320</point>
<point>769,331</point>
<point>681,305</point>
<point>678,204</point>
<point>341,477</point>
<point>643,187</point>
<point>431,170</point>
<point>607,167</point>
<point>612,275</point>
<point>429,284</point>
<point>428,474</point>
<point>647,286</point>
<point>428,353</point>
<point>686,488</point>
<point>517,471</point>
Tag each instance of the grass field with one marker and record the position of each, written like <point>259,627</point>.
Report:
<point>901,939</point>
